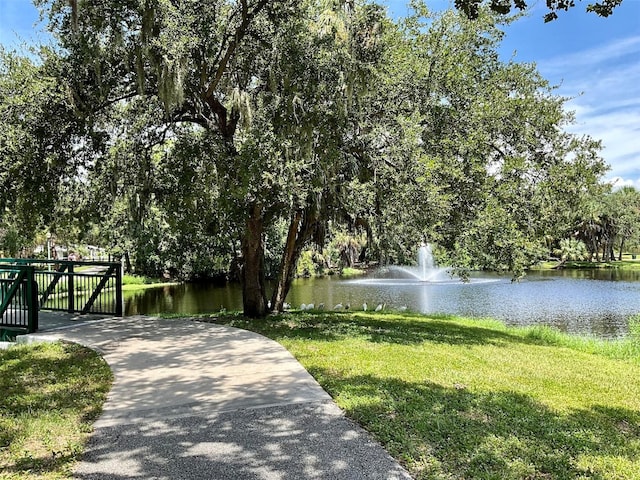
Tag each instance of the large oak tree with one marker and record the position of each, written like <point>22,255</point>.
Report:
<point>232,117</point>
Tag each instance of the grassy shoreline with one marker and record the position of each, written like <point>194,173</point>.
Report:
<point>145,286</point>
<point>455,398</point>
<point>626,264</point>
<point>140,282</point>
<point>132,283</point>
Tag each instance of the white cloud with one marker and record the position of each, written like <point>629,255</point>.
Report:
<point>619,131</point>
<point>622,48</point>
<point>604,84</point>
<point>619,182</point>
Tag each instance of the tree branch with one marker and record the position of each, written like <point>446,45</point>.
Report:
<point>247,17</point>
<point>126,96</point>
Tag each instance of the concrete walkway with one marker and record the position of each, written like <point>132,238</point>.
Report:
<point>201,401</point>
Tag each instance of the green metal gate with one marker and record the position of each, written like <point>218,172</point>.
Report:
<point>19,300</point>
<point>60,285</point>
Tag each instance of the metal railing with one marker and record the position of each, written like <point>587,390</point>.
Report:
<point>76,287</point>
<point>18,299</point>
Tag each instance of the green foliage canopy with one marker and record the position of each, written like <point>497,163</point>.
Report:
<point>252,128</point>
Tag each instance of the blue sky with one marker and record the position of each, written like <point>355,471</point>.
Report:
<point>595,61</point>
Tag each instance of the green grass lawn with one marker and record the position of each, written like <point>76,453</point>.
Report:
<point>50,395</point>
<point>627,263</point>
<point>349,272</point>
<point>140,282</point>
<point>465,399</point>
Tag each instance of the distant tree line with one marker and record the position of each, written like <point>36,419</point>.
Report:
<point>609,225</point>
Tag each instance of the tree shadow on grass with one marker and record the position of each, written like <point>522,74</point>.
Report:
<point>456,433</point>
<point>71,378</point>
<point>376,328</point>
<point>44,386</point>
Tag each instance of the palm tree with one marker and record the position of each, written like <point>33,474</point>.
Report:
<point>571,249</point>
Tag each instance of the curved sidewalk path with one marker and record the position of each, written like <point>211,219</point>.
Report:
<point>194,400</point>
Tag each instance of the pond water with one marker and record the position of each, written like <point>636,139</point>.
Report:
<point>586,302</point>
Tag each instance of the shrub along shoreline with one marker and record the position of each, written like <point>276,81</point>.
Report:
<point>461,398</point>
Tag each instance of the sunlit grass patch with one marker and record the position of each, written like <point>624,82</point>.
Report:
<point>141,282</point>
<point>51,395</point>
<point>628,348</point>
<point>627,263</point>
<point>352,272</point>
<point>472,399</point>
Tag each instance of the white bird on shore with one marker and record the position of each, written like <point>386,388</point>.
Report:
<point>380,307</point>
<point>338,307</point>
<point>402,308</point>
<point>364,306</point>
<point>310,306</point>
<point>303,307</point>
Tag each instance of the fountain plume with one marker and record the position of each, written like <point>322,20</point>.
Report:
<point>426,269</point>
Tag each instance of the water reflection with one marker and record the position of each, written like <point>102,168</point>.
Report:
<point>592,302</point>
<point>190,298</point>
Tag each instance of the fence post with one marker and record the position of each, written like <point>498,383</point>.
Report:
<point>71,287</point>
<point>33,301</point>
<point>119,300</point>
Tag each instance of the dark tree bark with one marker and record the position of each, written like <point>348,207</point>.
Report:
<point>287,265</point>
<point>127,262</point>
<point>253,285</point>
<point>301,229</point>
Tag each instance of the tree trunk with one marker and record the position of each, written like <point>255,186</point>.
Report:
<point>254,300</point>
<point>127,262</point>
<point>361,222</point>
<point>288,264</point>
<point>621,247</point>
<point>301,228</point>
